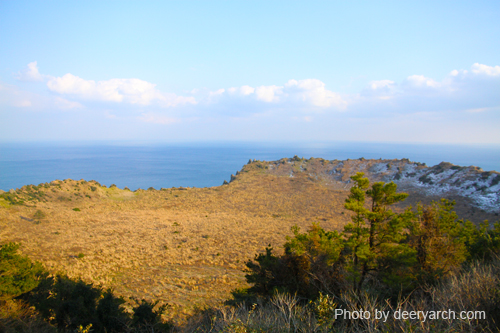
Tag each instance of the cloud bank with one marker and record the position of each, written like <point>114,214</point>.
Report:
<point>475,89</point>
<point>460,90</point>
<point>132,91</point>
<point>417,104</point>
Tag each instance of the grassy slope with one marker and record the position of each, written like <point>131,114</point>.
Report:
<point>186,247</point>
<point>182,246</point>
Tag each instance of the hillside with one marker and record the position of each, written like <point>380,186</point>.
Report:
<point>188,246</point>
<point>476,190</point>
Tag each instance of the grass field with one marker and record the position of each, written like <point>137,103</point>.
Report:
<point>183,246</point>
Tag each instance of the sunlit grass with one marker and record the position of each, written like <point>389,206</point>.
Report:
<point>183,246</point>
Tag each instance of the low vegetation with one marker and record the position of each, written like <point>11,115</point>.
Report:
<point>163,260</point>
<point>63,303</point>
<point>424,260</point>
<point>183,246</point>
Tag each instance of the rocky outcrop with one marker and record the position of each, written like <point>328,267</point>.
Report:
<point>444,179</point>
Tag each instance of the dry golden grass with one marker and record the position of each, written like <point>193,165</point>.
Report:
<point>183,246</point>
<point>18,317</point>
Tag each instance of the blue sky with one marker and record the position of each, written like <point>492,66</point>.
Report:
<point>169,71</point>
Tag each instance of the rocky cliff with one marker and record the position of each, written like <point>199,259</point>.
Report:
<point>480,188</point>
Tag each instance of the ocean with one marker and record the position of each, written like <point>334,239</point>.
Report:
<point>144,165</point>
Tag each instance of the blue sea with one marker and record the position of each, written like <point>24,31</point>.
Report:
<point>144,165</point>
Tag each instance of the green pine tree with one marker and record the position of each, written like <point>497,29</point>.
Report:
<point>376,244</point>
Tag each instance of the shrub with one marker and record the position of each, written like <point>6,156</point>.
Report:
<point>18,317</point>
<point>384,253</point>
<point>303,275</point>
<point>18,274</point>
<point>39,215</point>
<point>324,308</point>
<point>12,198</point>
<point>146,317</point>
<point>477,288</point>
<point>483,242</point>
<point>110,314</point>
<point>437,237</point>
<point>73,304</point>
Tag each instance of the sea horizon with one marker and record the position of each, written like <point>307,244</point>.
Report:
<point>145,164</point>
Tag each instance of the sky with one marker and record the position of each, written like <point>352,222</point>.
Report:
<point>258,71</point>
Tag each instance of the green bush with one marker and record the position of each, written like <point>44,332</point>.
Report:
<point>12,198</point>
<point>482,242</point>
<point>18,274</point>
<point>145,316</point>
<point>70,304</point>
<point>110,313</point>
<point>437,236</point>
<point>39,215</point>
<point>384,253</point>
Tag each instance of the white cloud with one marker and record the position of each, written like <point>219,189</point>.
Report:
<point>268,93</point>
<point>247,90</point>
<point>133,91</point>
<point>381,84</point>
<point>470,91</point>
<point>15,97</point>
<point>243,90</point>
<point>30,73</point>
<point>217,92</point>
<point>173,100</point>
<point>463,106</point>
<point>313,92</point>
<point>293,94</point>
<point>484,69</point>
<point>70,84</point>
<point>380,90</point>
<point>473,92</point>
<point>422,81</point>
